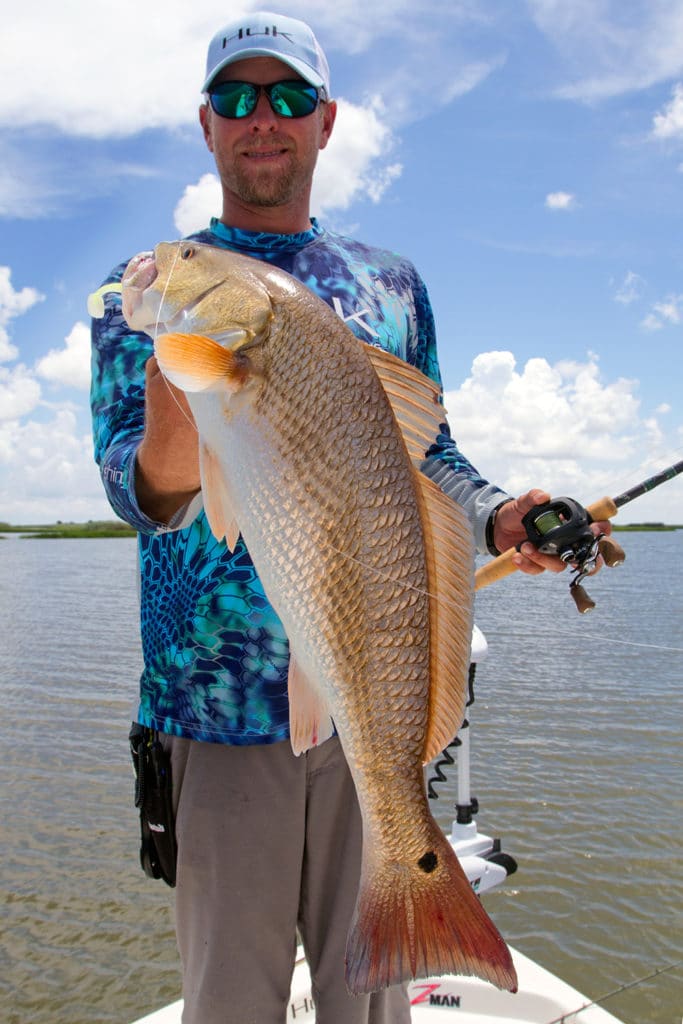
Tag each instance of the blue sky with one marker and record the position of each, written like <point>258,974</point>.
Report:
<point>527,156</point>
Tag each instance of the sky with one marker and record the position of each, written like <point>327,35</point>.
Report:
<point>526,155</point>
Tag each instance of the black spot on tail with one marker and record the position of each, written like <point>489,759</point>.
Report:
<point>428,862</point>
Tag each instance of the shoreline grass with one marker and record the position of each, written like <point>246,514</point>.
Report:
<point>116,528</point>
<point>65,531</point>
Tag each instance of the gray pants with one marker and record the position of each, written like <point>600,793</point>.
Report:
<point>267,842</point>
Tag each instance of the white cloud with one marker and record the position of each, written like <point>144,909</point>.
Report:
<point>12,305</point>
<point>48,472</point>
<point>88,77</point>
<point>630,289</point>
<point>354,165</point>
<point>560,201</point>
<point>669,124</point>
<point>609,47</point>
<point>669,311</point>
<point>563,427</point>
<point>19,392</point>
<point>557,426</point>
<point>198,204</point>
<point>356,161</point>
<point>70,365</point>
<point>91,78</point>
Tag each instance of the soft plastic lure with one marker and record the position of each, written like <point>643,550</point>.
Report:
<point>96,299</point>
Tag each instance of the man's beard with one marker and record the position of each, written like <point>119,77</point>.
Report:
<point>266,189</point>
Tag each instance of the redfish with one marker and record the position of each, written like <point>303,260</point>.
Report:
<point>309,444</point>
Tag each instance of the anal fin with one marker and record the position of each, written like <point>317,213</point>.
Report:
<point>309,719</point>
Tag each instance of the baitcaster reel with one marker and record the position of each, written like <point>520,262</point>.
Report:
<point>562,527</point>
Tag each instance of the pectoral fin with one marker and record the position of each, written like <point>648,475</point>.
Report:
<point>194,362</point>
<point>309,720</point>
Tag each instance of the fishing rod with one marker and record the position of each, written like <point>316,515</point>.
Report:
<point>563,527</point>
<point>615,992</point>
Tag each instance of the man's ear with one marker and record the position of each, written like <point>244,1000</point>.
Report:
<point>329,114</point>
<point>205,122</point>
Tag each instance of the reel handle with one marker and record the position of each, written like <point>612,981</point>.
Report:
<point>502,566</point>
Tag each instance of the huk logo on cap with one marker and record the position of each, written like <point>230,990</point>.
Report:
<point>248,33</point>
<point>269,35</point>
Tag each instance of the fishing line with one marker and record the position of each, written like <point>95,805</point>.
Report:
<point>156,335</point>
<point>587,636</point>
<point>380,572</point>
<point>494,632</point>
<point>564,1019</point>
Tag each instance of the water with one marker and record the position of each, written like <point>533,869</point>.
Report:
<point>576,762</point>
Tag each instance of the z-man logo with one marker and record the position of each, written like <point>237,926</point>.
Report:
<point>433,997</point>
<point>424,996</point>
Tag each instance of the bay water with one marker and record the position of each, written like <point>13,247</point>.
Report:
<point>576,762</point>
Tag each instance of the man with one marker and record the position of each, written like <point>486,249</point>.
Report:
<point>266,841</point>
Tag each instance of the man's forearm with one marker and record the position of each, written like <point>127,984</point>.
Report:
<point>161,489</point>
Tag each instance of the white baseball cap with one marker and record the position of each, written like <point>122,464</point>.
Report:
<point>263,34</point>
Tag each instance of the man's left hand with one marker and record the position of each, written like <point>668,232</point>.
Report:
<point>509,531</point>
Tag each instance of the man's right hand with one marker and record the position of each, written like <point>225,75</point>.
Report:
<point>167,460</point>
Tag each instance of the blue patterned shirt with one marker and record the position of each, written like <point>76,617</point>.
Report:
<point>215,653</point>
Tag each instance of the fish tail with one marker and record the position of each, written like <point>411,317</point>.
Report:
<point>421,921</point>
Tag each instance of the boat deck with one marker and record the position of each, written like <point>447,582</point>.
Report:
<point>542,999</point>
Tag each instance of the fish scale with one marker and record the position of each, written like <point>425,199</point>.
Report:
<point>307,442</point>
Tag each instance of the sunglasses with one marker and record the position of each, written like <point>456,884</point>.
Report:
<point>287,99</point>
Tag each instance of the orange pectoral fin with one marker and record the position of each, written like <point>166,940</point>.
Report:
<point>194,362</point>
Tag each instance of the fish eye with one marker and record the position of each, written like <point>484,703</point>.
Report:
<point>187,253</point>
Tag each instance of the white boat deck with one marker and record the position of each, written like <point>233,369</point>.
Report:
<point>542,999</point>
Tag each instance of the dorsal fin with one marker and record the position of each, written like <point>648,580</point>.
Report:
<point>415,400</point>
<point>449,548</point>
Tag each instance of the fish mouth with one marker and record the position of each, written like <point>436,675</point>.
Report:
<point>140,272</point>
<point>143,304</point>
<point>138,276</point>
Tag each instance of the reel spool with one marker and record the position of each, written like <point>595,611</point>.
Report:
<point>562,527</point>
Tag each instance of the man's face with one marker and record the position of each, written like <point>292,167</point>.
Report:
<point>264,160</point>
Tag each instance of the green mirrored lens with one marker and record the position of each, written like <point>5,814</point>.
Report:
<point>293,99</point>
<point>234,99</point>
<point>287,99</point>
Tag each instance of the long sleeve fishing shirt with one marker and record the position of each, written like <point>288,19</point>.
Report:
<point>215,653</point>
